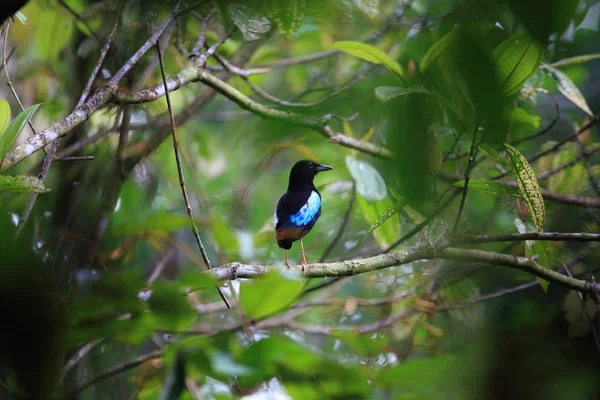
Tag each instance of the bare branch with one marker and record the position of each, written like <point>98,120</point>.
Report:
<point>553,236</point>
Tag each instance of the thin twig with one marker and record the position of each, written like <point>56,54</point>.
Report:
<point>186,199</point>
<point>115,371</point>
<point>467,178</point>
<point>85,349</point>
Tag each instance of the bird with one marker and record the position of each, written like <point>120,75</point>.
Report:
<point>299,208</point>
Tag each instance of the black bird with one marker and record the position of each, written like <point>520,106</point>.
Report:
<point>299,208</point>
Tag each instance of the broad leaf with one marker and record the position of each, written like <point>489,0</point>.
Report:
<point>382,216</point>
<point>516,59</point>
<point>568,89</point>
<point>489,186</point>
<point>434,154</point>
<point>252,24</point>
<point>270,294</point>
<point>53,35</point>
<point>21,184</point>
<point>4,115</point>
<point>369,53</point>
<point>570,180</point>
<point>369,182</point>
<point>438,49</point>
<point>387,93</point>
<point>528,185</point>
<point>10,135</point>
<point>287,15</point>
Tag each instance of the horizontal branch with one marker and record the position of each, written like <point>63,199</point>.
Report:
<point>553,236</point>
<point>236,270</point>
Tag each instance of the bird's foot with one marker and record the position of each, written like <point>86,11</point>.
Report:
<point>287,264</point>
<point>304,265</point>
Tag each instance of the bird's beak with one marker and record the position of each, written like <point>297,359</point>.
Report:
<point>324,168</point>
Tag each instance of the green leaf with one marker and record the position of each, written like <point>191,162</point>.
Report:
<point>4,115</point>
<point>516,60</point>
<point>271,293</point>
<point>287,15</point>
<point>252,24</point>
<point>528,185</point>
<point>170,306</point>
<point>10,135</point>
<point>387,93</point>
<point>369,182</point>
<point>491,152</point>
<point>383,217</point>
<point>438,49</point>
<point>489,186</point>
<point>21,183</point>
<point>569,89</point>
<point>369,53</point>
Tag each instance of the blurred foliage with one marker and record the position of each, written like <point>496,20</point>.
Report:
<point>108,257</point>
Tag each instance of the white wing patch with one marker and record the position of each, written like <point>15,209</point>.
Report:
<point>275,220</point>
<point>308,212</point>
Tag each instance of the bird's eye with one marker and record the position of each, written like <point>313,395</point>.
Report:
<point>310,165</point>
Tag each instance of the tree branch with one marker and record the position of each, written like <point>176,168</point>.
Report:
<point>553,236</point>
<point>236,270</point>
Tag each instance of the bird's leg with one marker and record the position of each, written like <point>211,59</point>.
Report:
<point>287,263</point>
<point>304,263</point>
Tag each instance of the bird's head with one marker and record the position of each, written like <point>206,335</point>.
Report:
<point>303,172</point>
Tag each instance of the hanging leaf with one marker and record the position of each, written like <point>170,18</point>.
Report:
<point>270,294</point>
<point>287,15</point>
<point>516,59</point>
<point>21,184</point>
<point>4,115</point>
<point>568,89</point>
<point>369,53</point>
<point>382,216</point>
<point>438,49</point>
<point>10,135</point>
<point>369,182</point>
<point>489,186</point>
<point>528,185</point>
<point>252,24</point>
<point>387,93</point>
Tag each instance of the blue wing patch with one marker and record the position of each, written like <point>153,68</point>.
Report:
<point>308,212</point>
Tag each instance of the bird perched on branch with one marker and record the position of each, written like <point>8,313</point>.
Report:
<point>299,208</point>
